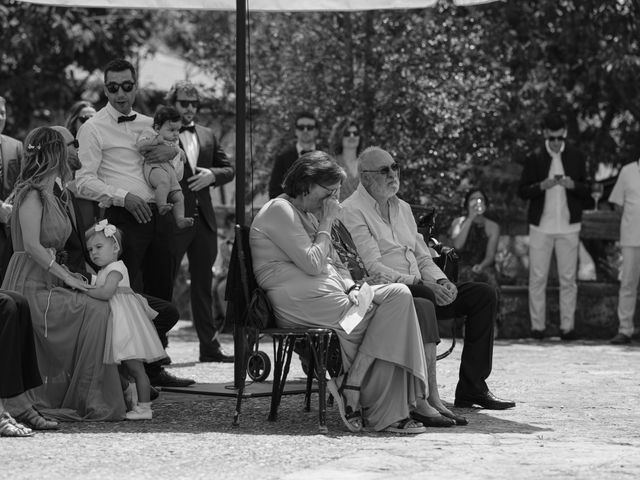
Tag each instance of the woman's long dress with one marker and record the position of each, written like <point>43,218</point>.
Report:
<point>70,329</point>
<point>306,289</point>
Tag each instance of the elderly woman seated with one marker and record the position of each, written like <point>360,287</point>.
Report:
<point>386,373</point>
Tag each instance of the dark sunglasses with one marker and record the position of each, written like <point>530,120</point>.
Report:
<point>187,103</point>
<point>74,143</point>
<point>113,87</point>
<point>351,133</point>
<point>307,128</point>
<point>552,138</point>
<point>385,170</point>
<point>84,118</point>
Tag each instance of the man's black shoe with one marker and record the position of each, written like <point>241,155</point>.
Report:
<point>568,336</point>
<point>165,361</point>
<point>165,379</point>
<point>620,339</point>
<point>217,356</point>
<point>485,400</point>
<point>537,334</point>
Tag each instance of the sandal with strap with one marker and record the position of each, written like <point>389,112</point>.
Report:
<point>33,419</point>
<point>10,428</point>
<point>408,426</point>
<point>351,418</point>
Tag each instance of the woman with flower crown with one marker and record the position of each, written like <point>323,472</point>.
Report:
<point>70,327</point>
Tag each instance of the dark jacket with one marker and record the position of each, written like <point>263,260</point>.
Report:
<point>536,169</point>
<point>281,164</point>
<point>211,156</point>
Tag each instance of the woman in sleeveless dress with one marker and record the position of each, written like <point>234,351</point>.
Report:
<point>70,328</point>
<point>294,261</point>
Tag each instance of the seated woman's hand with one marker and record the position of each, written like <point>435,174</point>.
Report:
<point>76,283</point>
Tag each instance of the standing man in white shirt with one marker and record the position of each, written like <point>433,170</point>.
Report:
<point>554,182</point>
<point>626,195</point>
<point>111,173</point>
<point>207,166</point>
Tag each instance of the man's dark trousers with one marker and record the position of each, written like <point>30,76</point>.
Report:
<point>478,303</point>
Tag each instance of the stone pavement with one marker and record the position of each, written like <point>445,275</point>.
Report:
<point>577,417</point>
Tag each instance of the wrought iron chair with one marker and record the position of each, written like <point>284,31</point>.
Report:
<point>315,340</point>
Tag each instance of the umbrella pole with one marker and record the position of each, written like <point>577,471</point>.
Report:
<point>241,31</point>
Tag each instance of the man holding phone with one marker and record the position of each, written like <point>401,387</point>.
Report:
<point>554,182</point>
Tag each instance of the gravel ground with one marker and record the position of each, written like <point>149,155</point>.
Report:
<point>577,417</point>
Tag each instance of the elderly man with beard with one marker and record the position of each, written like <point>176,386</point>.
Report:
<point>386,235</point>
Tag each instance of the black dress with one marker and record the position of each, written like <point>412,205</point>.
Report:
<point>18,360</point>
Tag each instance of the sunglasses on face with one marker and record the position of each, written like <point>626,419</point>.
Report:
<point>395,167</point>
<point>113,87</point>
<point>306,128</point>
<point>187,103</point>
<point>74,143</point>
<point>552,138</point>
<point>351,133</point>
<point>84,118</point>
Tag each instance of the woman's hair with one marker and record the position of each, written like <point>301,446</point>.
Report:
<point>465,204</point>
<point>165,114</point>
<point>74,113</point>
<point>117,235</point>
<point>45,152</point>
<point>315,167</point>
<point>337,134</point>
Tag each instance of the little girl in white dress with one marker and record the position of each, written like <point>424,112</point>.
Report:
<point>133,338</point>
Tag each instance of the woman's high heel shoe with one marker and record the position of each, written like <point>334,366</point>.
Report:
<point>459,419</point>
<point>34,420</point>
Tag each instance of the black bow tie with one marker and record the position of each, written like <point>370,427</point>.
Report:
<point>123,118</point>
<point>188,128</point>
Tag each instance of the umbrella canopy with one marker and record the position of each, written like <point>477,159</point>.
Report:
<point>256,5</point>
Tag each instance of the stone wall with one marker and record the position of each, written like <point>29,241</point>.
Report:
<point>596,311</point>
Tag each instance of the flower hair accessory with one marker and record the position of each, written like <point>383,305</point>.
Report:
<point>33,147</point>
<point>108,229</point>
<point>105,227</point>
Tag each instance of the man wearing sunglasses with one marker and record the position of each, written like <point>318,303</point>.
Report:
<point>554,182</point>
<point>207,166</point>
<point>10,160</point>
<point>386,235</point>
<point>306,133</point>
<point>111,173</point>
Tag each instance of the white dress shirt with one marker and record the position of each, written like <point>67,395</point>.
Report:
<point>111,163</point>
<point>191,146</point>
<point>555,215</point>
<point>396,248</point>
<point>626,193</point>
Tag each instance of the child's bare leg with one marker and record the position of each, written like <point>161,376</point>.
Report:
<point>177,199</point>
<point>159,180</point>
<point>136,369</point>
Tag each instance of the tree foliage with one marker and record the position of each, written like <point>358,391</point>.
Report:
<point>41,43</point>
<point>456,94</point>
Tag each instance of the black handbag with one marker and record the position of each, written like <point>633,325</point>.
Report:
<point>448,258</point>
<point>260,312</point>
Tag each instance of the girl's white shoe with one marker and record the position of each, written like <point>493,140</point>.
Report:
<point>142,411</point>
